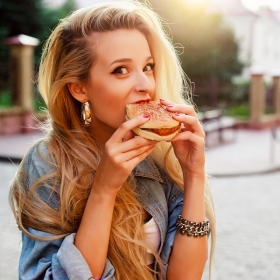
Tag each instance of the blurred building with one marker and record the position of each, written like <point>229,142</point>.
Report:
<point>258,34</point>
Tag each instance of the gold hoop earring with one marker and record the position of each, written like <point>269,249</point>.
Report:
<point>86,116</point>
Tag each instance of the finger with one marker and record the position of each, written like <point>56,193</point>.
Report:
<point>192,122</point>
<point>130,135</point>
<point>140,157</point>
<point>181,108</point>
<point>197,141</point>
<point>133,144</point>
<point>166,102</point>
<point>125,127</point>
<point>123,157</point>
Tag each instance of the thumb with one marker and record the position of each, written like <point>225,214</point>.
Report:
<point>128,136</point>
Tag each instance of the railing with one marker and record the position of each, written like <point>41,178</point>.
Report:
<point>214,121</point>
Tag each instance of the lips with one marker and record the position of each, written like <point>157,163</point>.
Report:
<point>147,100</point>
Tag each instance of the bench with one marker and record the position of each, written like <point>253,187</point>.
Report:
<point>214,121</point>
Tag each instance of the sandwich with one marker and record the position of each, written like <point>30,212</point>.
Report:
<point>160,127</point>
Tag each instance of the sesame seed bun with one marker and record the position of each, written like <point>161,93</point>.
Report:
<point>160,127</point>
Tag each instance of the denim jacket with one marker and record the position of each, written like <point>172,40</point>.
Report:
<point>61,260</point>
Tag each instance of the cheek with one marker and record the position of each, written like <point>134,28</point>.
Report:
<point>109,107</point>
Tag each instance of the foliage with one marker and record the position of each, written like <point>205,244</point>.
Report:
<point>5,99</point>
<point>208,47</point>
<point>39,102</point>
<point>27,17</point>
<point>241,111</point>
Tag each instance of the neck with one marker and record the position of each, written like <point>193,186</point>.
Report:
<point>101,131</point>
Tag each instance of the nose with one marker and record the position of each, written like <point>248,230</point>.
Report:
<point>144,83</point>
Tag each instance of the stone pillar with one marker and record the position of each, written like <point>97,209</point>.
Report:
<point>276,92</point>
<point>22,70</point>
<point>257,96</point>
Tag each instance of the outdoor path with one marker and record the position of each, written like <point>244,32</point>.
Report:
<point>10,238</point>
<point>252,152</point>
<point>247,210</point>
<point>247,206</point>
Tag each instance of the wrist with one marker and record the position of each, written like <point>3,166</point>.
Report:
<point>103,192</point>
<point>194,174</point>
<point>194,178</point>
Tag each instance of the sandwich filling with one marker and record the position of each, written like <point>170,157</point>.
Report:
<point>163,131</point>
<point>160,124</point>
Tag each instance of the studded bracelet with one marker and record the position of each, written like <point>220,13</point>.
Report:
<point>192,228</point>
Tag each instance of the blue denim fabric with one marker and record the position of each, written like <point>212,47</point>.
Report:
<point>60,259</point>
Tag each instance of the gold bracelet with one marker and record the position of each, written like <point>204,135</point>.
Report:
<point>191,228</point>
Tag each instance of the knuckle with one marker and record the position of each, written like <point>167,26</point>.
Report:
<point>188,133</point>
<point>139,141</point>
<point>110,152</point>
<point>116,160</point>
<point>146,148</point>
<point>142,156</point>
<point>191,107</point>
<point>201,141</point>
<point>124,126</point>
<point>107,147</point>
<point>123,168</point>
<point>193,120</point>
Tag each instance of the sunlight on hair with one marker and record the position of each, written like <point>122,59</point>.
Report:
<point>196,2</point>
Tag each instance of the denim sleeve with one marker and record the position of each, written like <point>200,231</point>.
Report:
<point>174,197</point>
<point>175,203</point>
<point>58,259</point>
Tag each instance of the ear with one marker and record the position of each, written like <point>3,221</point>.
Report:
<point>78,92</point>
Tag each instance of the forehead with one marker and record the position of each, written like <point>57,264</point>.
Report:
<point>121,43</point>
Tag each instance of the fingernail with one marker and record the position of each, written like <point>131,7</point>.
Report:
<point>161,99</point>
<point>170,106</point>
<point>177,115</point>
<point>146,116</point>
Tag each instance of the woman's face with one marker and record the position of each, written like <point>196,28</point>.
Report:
<point>113,84</point>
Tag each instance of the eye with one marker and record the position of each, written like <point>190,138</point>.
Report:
<point>151,65</point>
<point>119,70</point>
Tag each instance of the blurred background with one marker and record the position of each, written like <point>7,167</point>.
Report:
<point>230,50</point>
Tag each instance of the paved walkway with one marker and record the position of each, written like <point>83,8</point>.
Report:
<point>246,248</point>
<point>248,227</point>
<point>252,152</point>
<point>247,214</point>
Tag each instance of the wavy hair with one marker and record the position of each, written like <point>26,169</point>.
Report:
<point>74,154</point>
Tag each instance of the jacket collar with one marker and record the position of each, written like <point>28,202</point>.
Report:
<point>147,168</point>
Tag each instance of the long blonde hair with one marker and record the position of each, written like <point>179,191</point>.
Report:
<point>74,154</point>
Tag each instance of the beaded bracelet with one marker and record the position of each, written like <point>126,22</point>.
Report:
<point>191,228</point>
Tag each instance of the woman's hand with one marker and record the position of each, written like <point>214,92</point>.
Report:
<point>121,154</point>
<point>189,145</point>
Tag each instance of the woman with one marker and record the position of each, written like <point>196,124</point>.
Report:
<point>92,200</point>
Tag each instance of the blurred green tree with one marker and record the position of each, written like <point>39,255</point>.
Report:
<point>207,47</point>
<point>29,17</point>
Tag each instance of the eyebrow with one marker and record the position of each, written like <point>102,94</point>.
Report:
<point>127,60</point>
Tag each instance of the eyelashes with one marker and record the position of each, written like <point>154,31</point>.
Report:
<point>116,71</point>
<point>152,65</point>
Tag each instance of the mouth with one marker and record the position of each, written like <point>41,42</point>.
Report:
<point>147,100</point>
